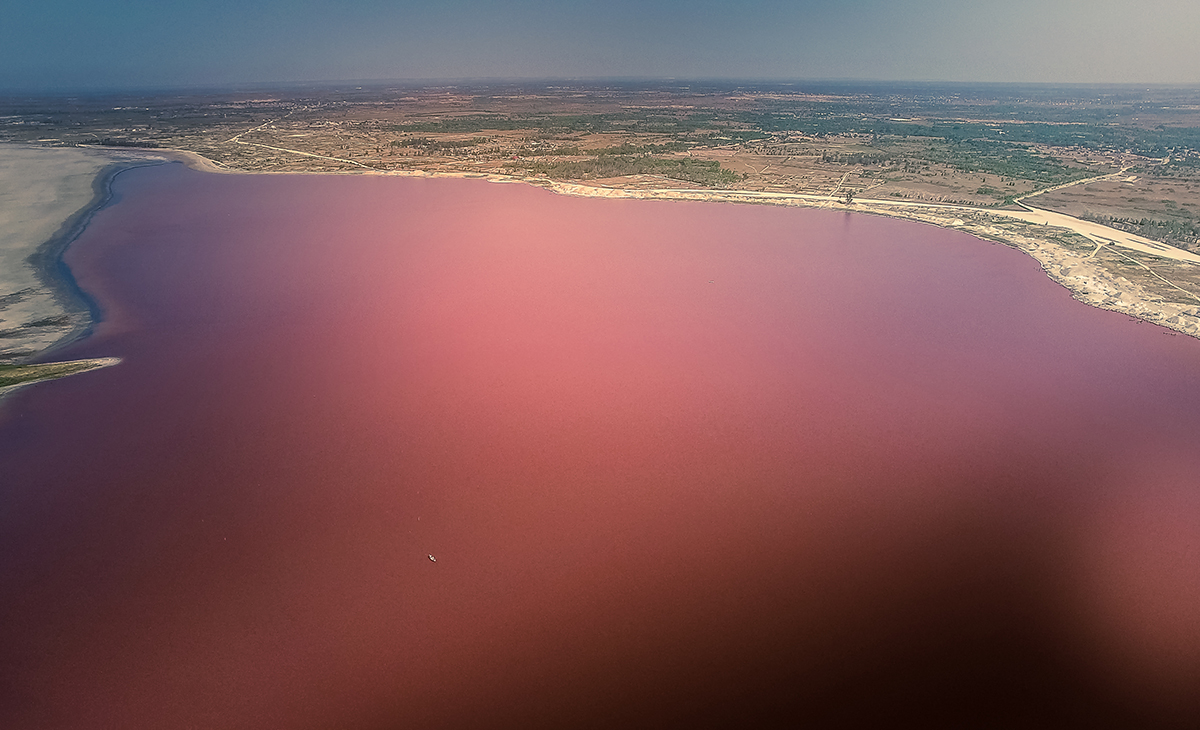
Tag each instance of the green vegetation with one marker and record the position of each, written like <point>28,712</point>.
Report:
<point>552,122</point>
<point>997,149</point>
<point>1005,160</point>
<point>431,144</point>
<point>646,149</point>
<point>702,172</point>
<point>114,142</point>
<point>855,158</point>
<point>1158,142</point>
<point>1185,234</point>
<point>18,374</point>
<point>570,151</point>
<point>729,127</point>
<point>1002,159</point>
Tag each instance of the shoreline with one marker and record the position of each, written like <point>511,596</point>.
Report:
<point>1024,230</point>
<point>52,270</point>
<point>48,197</point>
<point>1087,282</point>
<point>43,310</point>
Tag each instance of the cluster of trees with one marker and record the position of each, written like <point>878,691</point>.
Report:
<point>1005,160</point>
<point>702,172</point>
<point>550,122</point>
<point>560,151</point>
<point>969,155</point>
<point>1184,234</point>
<point>730,125</point>
<point>1181,166</point>
<point>725,135</point>
<point>997,148</point>
<point>543,149</point>
<point>460,125</point>
<point>114,142</point>
<point>1104,135</point>
<point>855,158</point>
<point>438,145</point>
<point>645,149</point>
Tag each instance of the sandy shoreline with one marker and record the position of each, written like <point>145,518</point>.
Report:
<point>1033,231</point>
<point>50,194</point>
<point>47,198</point>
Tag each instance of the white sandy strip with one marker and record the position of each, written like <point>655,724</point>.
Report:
<point>1100,234</point>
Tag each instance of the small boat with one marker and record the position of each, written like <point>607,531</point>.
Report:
<point>432,559</point>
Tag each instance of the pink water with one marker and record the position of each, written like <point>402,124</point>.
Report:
<point>679,464</point>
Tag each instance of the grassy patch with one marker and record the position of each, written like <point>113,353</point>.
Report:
<point>18,374</point>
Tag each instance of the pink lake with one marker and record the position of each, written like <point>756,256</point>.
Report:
<point>679,464</point>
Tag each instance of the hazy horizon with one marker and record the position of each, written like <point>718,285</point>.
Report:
<point>132,44</point>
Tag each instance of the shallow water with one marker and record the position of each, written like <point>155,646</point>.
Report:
<point>678,463</point>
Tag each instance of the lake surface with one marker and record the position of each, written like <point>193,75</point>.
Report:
<point>678,463</point>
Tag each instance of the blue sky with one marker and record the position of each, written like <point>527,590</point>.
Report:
<point>138,43</point>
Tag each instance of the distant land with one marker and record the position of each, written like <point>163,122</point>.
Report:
<point>1101,184</point>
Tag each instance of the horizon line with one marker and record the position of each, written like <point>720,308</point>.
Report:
<point>433,82</point>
